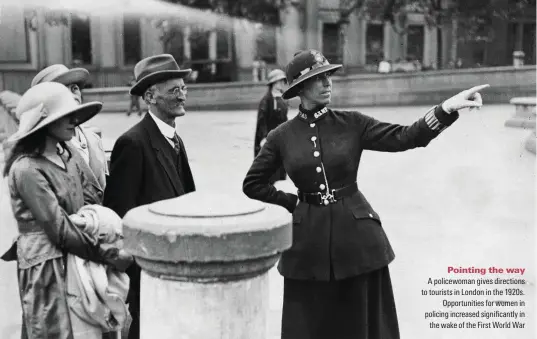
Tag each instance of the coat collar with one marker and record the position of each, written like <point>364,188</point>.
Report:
<point>166,130</point>
<point>311,115</point>
<point>163,151</point>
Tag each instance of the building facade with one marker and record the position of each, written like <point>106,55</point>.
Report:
<point>110,45</point>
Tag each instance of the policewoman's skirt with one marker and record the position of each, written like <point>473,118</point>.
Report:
<point>361,307</point>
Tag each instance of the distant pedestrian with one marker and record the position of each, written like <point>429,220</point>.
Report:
<point>135,100</point>
<point>271,113</point>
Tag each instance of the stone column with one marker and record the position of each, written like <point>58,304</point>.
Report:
<point>204,260</point>
<point>245,34</point>
<point>290,37</point>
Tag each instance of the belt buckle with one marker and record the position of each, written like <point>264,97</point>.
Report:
<point>328,198</point>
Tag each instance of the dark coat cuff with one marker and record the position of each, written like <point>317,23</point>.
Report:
<point>438,120</point>
<point>290,205</point>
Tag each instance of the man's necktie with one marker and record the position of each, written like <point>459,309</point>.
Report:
<point>175,141</point>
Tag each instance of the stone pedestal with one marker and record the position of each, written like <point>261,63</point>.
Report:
<point>204,260</point>
<point>524,116</point>
<point>530,142</point>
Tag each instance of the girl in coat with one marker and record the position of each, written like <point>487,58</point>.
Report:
<point>336,278</point>
<point>272,112</point>
<point>47,184</point>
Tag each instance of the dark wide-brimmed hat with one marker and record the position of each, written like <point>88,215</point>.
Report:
<point>305,65</point>
<point>60,73</point>
<point>46,103</point>
<point>156,69</point>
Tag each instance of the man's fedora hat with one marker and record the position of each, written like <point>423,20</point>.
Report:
<point>275,75</point>
<point>46,103</point>
<point>156,69</point>
<point>60,73</point>
<point>305,65</point>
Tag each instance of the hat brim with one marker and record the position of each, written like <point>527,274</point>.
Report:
<point>73,76</point>
<point>154,78</point>
<point>292,90</point>
<point>83,113</point>
<point>281,77</point>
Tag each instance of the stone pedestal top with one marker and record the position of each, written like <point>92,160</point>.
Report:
<point>207,235</point>
<point>207,205</point>
<point>530,101</point>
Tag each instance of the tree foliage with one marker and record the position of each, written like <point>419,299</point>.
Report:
<point>475,16</point>
<point>262,11</point>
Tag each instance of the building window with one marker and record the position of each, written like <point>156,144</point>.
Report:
<point>266,45</point>
<point>331,43</point>
<point>528,43</point>
<point>14,43</point>
<point>199,44</point>
<point>223,39</point>
<point>173,40</point>
<point>132,43</point>
<point>81,39</point>
<point>414,45</point>
<point>374,44</point>
<point>521,37</point>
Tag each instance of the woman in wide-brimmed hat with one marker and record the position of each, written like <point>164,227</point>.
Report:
<point>271,113</point>
<point>85,141</point>
<point>46,180</point>
<point>336,278</point>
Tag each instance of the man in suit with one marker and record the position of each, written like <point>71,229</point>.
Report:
<point>149,162</point>
<point>85,141</point>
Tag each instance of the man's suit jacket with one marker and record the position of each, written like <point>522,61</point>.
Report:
<point>143,170</point>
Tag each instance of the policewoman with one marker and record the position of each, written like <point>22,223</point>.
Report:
<point>336,277</point>
<point>271,113</point>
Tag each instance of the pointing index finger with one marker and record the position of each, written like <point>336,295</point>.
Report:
<point>476,89</point>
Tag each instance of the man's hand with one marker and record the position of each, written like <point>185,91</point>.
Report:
<point>469,98</point>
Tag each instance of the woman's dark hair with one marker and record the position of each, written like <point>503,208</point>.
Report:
<point>32,145</point>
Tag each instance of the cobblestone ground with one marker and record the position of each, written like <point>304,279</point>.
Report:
<point>466,200</point>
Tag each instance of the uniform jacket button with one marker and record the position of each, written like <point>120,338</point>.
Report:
<point>322,186</point>
<point>318,169</point>
<point>312,124</point>
<point>313,138</point>
<point>316,154</point>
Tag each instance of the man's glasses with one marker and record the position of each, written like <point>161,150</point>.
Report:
<point>178,91</point>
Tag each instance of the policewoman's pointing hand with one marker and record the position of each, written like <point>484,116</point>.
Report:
<point>469,98</point>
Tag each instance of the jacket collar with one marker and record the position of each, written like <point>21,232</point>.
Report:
<point>163,151</point>
<point>311,115</point>
<point>166,130</point>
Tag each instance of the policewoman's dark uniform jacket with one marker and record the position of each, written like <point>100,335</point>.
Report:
<point>331,240</point>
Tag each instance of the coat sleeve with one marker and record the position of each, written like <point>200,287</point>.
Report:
<point>38,195</point>
<point>387,137</point>
<point>126,173</point>
<point>256,185</point>
<point>261,125</point>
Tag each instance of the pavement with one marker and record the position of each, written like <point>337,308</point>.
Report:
<point>466,200</point>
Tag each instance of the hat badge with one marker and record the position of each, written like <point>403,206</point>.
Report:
<point>318,56</point>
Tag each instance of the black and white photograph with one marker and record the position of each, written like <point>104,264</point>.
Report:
<point>272,169</point>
